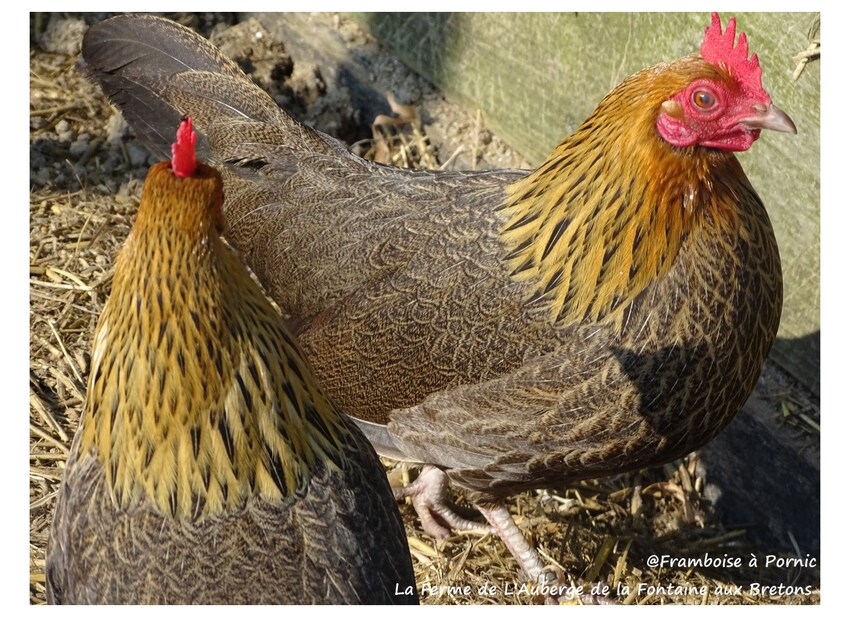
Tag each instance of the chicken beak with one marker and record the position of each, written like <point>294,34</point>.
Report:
<point>771,118</point>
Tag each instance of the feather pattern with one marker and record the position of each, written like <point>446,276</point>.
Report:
<point>607,311</point>
<point>209,467</point>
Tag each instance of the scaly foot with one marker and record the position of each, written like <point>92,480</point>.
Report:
<point>438,516</point>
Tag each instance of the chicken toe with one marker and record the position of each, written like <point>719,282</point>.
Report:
<point>437,515</point>
<point>503,524</point>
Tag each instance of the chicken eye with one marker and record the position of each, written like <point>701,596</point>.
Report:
<point>704,99</point>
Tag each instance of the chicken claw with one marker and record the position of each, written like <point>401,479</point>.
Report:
<point>428,496</point>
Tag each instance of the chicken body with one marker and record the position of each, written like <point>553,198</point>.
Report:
<point>209,467</point>
<point>608,311</point>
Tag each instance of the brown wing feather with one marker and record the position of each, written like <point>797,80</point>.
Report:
<point>610,398</point>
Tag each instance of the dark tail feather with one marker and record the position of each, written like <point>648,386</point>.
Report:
<point>157,71</point>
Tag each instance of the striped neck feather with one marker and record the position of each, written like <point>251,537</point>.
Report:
<point>608,211</point>
<point>198,398</point>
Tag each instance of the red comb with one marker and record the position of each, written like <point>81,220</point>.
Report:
<point>183,161</point>
<point>719,48</point>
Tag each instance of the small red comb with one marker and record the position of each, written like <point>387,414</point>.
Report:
<point>719,48</point>
<point>183,161</point>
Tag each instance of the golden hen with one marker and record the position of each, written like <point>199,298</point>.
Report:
<point>608,311</point>
<point>209,467</point>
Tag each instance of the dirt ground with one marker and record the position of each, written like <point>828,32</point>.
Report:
<point>86,177</point>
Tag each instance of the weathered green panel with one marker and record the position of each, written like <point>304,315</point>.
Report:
<point>537,76</point>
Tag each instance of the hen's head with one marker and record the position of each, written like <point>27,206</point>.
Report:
<point>183,193</point>
<point>724,107</point>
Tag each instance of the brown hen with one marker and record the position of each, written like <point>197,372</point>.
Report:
<point>209,467</point>
<point>608,311</point>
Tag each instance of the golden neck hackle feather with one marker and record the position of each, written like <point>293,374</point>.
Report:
<point>604,217</point>
<point>194,402</point>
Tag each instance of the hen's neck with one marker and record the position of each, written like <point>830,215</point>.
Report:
<point>607,213</point>
<point>197,396</point>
